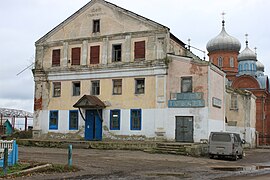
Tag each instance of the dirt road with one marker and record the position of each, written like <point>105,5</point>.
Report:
<point>117,164</point>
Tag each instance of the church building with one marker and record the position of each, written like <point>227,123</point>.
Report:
<point>244,72</point>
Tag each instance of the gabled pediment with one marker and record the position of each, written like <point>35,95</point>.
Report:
<point>113,20</point>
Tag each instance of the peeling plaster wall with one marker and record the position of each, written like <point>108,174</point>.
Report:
<point>200,119</point>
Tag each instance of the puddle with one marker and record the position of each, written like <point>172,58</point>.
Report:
<point>240,168</point>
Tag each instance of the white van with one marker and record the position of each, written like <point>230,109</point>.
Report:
<point>225,144</point>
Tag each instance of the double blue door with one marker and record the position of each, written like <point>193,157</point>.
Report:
<point>93,125</point>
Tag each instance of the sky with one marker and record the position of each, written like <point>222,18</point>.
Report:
<point>23,22</point>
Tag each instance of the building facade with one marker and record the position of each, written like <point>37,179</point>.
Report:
<point>106,72</point>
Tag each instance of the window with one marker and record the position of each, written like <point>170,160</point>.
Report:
<point>246,67</point>
<point>220,62</point>
<point>231,62</point>
<point>73,120</point>
<point>96,26</point>
<point>186,84</point>
<point>139,86</point>
<point>94,54</point>
<point>139,50</point>
<point>254,67</point>
<point>56,57</point>
<point>116,53</point>
<point>240,67</point>
<point>56,89</point>
<point>53,121</point>
<point>95,88</point>
<point>135,119</point>
<point>75,56</point>
<point>76,86</point>
<point>234,104</point>
<point>117,86</point>
<point>115,120</point>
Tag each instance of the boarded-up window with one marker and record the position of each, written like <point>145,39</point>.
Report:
<point>139,50</point>
<point>56,57</point>
<point>76,56</point>
<point>186,84</point>
<point>94,55</point>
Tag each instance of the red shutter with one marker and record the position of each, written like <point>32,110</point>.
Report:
<point>56,57</point>
<point>76,56</point>
<point>139,50</point>
<point>94,55</point>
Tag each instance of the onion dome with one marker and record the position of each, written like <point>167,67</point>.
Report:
<point>260,66</point>
<point>247,54</point>
<point>223,42</point>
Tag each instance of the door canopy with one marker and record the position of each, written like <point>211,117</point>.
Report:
<point>89,102</point>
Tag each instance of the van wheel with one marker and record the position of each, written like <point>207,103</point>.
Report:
<point>240,156</point>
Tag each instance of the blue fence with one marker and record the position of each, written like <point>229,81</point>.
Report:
<point>12,152</point>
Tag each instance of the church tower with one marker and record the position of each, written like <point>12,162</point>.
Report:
<point>223,51</point>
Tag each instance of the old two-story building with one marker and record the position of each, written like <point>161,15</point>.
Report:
<point>111,73</point>
<point>241,114</point>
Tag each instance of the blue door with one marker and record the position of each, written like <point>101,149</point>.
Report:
<point>93,125</point>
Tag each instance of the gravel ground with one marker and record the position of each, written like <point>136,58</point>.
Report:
<point>119,164</point>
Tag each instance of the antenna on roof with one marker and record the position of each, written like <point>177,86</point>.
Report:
<point>189,46</point>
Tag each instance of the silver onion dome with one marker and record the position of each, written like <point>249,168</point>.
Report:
<point>223,42</point>
<point>247,54</point>
<point>260,66</point>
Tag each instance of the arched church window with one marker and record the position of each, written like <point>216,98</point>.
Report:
<point>251,67</point>
<point>246,67</point>
<point>231,62</point>
<point>220,62</point>
<point>240,67</point>
<point>254,67</point>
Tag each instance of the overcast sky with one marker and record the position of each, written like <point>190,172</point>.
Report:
<point>24,21</point>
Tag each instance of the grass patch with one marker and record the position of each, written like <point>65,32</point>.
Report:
<point>15,171</point>
<point>16,168</point>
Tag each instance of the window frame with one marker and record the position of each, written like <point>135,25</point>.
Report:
<point>117,86</point>
<point>53,126</point>
<point>94,89</point>
<point>55,84</point>
<point>220,62</point>
<point>56,57</point>
<point>94,58</point>
<point>77,121</point>
<point>74,88</point>
<point>139,50</point>
<point>74,60</point>
<point>190,89</point>
<point>115,53</point>
<point>234,102</point>
<point>137,89</point>
<point>96,25</point>
<point>231,62</point>
<point>118,119</point>
<point>140,120</point>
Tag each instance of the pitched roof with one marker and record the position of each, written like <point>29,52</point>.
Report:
<point>82,9</point>
<point>89,101</point>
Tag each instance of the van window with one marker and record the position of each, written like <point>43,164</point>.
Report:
<point>221,137</point>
